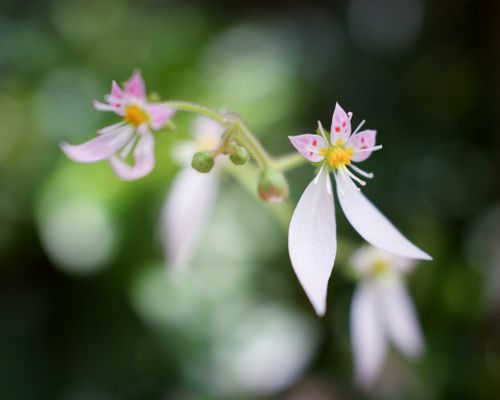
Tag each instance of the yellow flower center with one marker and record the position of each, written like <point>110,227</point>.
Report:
<point>135,115</point>
<point>379,268</point>
<point>337,155</point>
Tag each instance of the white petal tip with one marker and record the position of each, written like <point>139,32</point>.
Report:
<point>418,254</point>
<point>320,312</point>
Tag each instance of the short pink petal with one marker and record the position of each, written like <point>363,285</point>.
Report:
<point>309,146</point>
<point>99,148</point>
<point>144,160</point>
<point>361,141</point>
<point>159,115</point>
<point>116,91</point>
<point>341,125</point>
<point>135,87</point>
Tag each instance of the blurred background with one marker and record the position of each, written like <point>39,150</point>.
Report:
<point>86,308</point>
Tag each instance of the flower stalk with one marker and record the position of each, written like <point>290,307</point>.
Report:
<point>237,129</point>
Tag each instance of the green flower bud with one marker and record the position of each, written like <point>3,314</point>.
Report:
<point>239,155</point>
<point>203,161</point>
<point>273,186</point>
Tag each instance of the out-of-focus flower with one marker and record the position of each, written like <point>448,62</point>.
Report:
<point>115,142</point>
<point>312,241</point>
<point>381,312</point>
<point>191,198</point>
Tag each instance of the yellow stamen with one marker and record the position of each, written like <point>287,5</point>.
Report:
<point>337,156</point>
<point>135,115</point>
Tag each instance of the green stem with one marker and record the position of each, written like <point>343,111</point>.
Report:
<point>253,145</point>
<point>248,139</point>
<point>187,106</point>
<point>289,161</point>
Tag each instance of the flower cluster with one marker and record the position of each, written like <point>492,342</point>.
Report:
<point>381,308</point>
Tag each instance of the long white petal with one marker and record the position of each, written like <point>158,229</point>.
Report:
<point>371,224</point>
<point>400,318</point>
<point>312,241</point>
<point>367,334</point>
<point>187,208</point>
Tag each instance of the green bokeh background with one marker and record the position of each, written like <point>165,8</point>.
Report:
<point>86,309</point>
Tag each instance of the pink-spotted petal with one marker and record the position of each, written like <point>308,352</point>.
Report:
<point>309,146</point>
<point>312,241</point>
<point>367,334</point>
<point>144,160</point>
<point>116,91</point>
<point>159,115</point>
<point>101,147</point>
<point>371,224</point>
<point>115,98</point>
<point>187,210</point>
<point>341,125</point>
<point>135,86</point>
<point>401,320</point>
<point>360,141</point>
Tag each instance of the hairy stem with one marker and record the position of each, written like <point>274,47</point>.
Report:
<point>242,134</point>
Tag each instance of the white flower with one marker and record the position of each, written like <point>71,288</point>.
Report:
<point>312,241</point>
<point>191,198</point>
<point>381,312</point>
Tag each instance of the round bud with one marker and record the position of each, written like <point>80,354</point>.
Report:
<point>239,155</point>
<point>273,186</point>
<point>203,161</point>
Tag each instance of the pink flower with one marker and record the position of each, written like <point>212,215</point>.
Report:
<point>139,119</point>
<point>382,312</point>
<point>312,240</point>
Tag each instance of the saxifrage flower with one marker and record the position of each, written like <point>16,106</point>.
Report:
<point>382,312</point>
<point>312,240</point>
<point>116,142</point>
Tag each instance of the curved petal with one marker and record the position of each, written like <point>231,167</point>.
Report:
<point>135,86</point>
<point>186,212</point>
<point>371,224</point>
<point>101,147</point>
<point>144,160</point>
<point>159,115</point>
<point>367,334</point>
<point>341,125</point>
<point>400,318</point>
<point>361,141</point>
<point>309,146</point>
<point>312,242</point>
